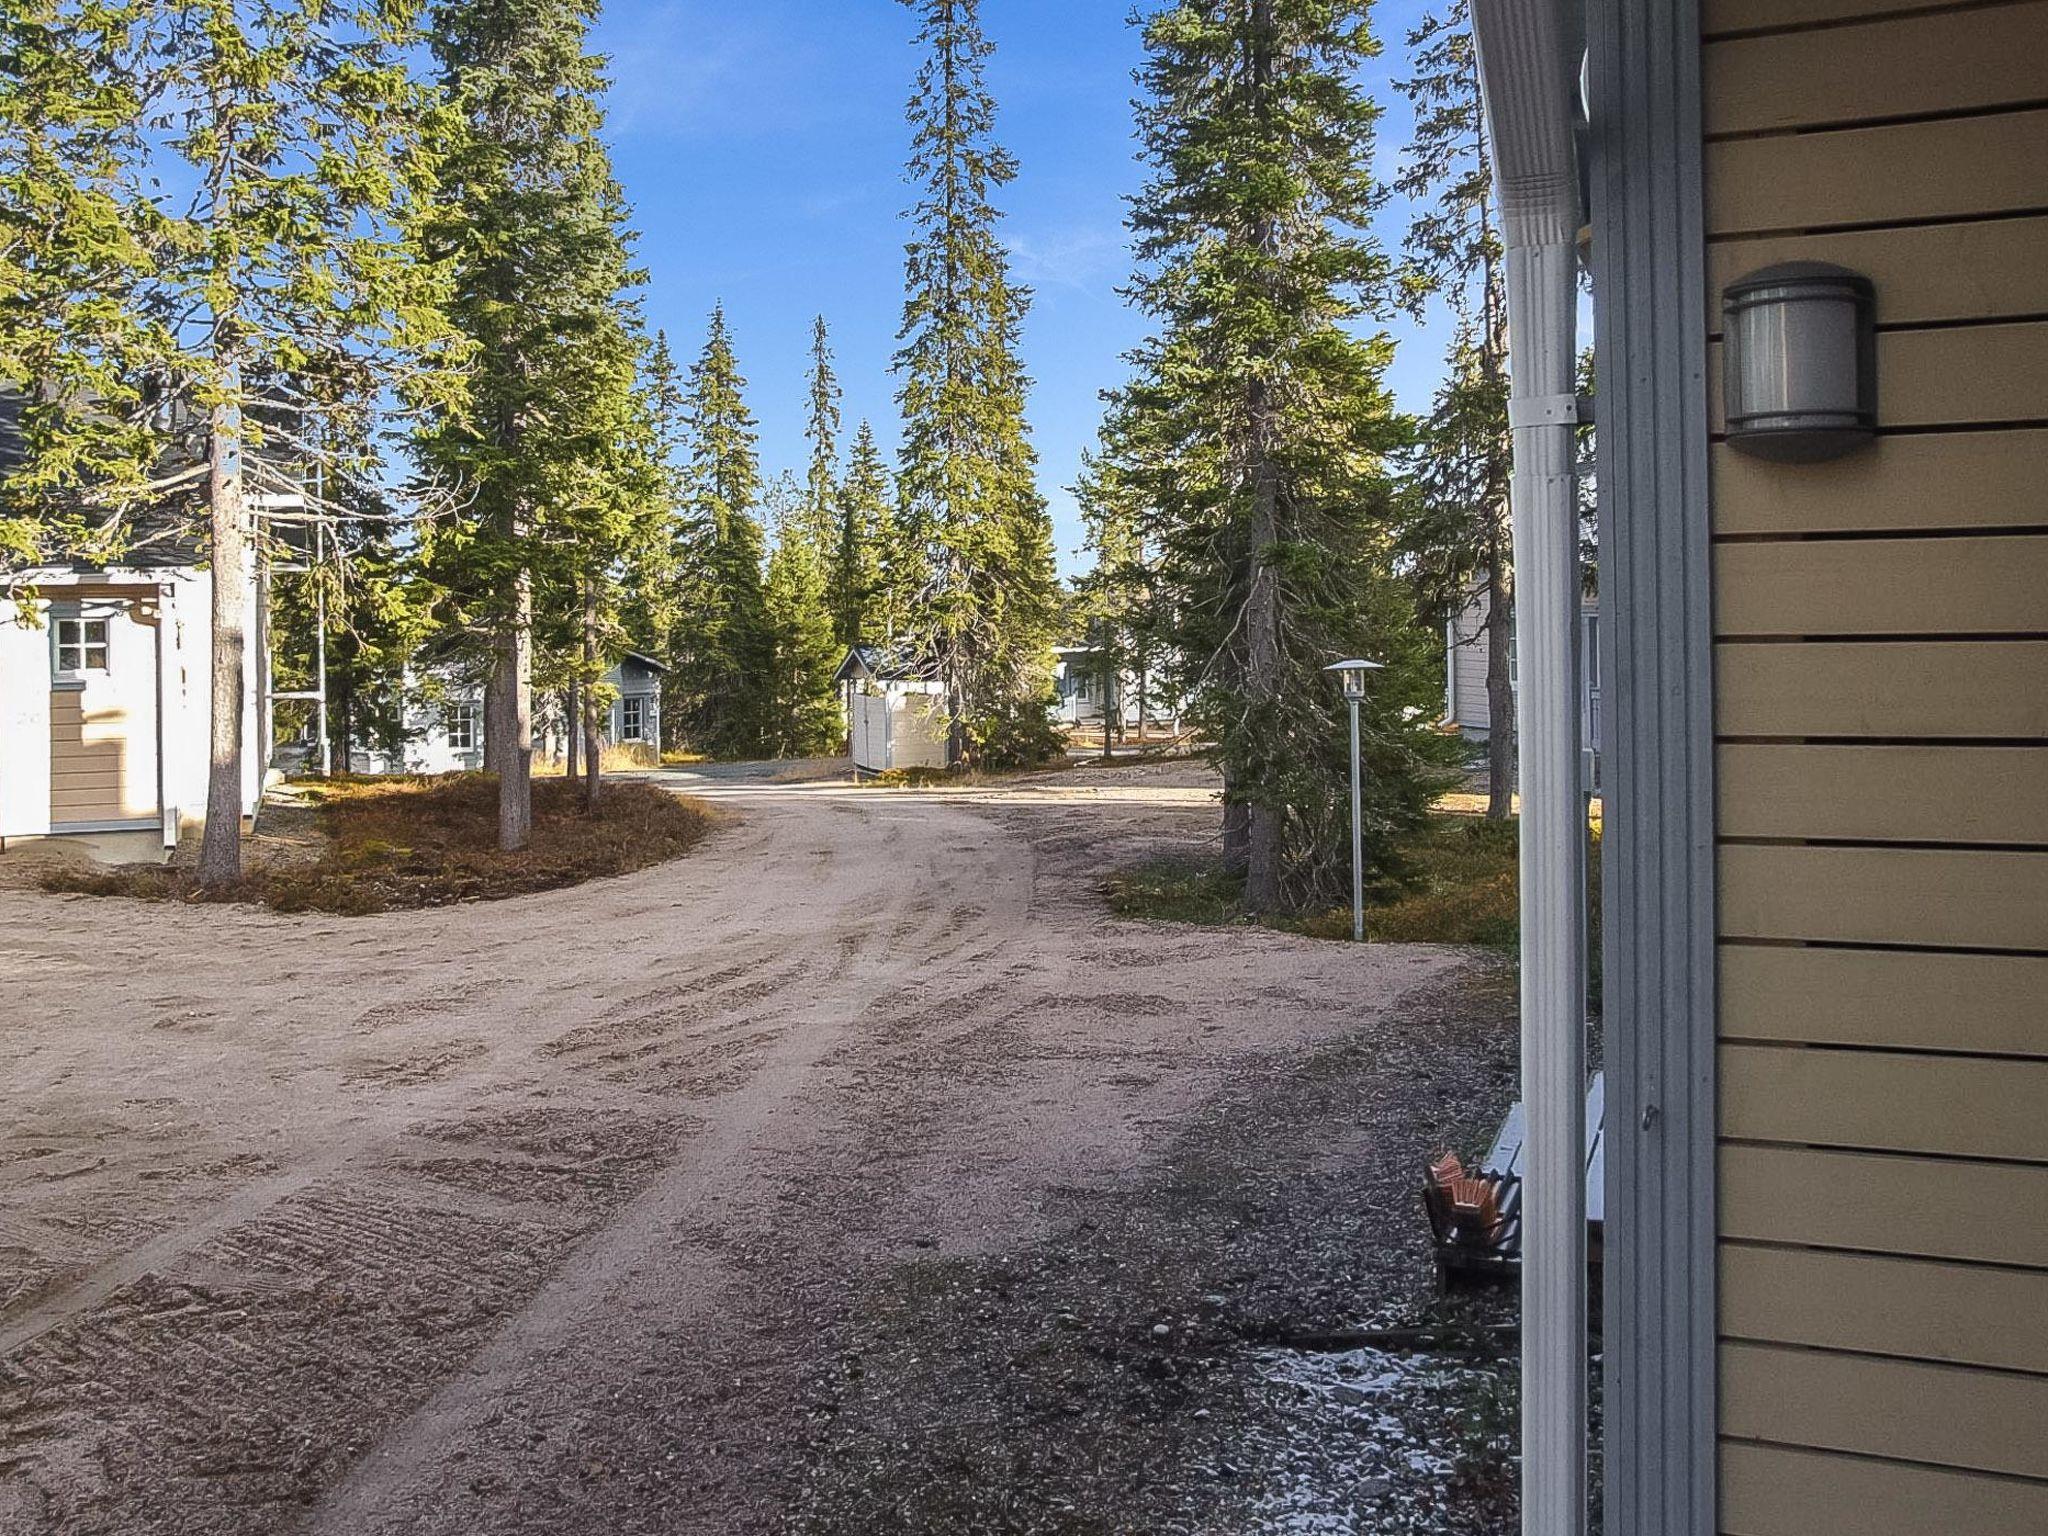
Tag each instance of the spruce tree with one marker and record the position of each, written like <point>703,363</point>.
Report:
<point>1258,424</point>
<point>865,607</point>
<point>654,600</point>
<point>801,716</point>
<point>724,645</point>
<point>821,431</point>
<point>966,476</point>
<point>1460,538</point>
<point>532,215</point>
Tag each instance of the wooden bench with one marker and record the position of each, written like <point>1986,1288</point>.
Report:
<point>1475,1214</point>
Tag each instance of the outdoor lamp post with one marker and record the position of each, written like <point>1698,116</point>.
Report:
<point>1352,675</point>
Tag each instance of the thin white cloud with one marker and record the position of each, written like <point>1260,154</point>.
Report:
<point>693,69</point>
<point>1085,257</point>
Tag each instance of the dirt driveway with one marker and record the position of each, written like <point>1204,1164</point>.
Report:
<point>855,1173</point>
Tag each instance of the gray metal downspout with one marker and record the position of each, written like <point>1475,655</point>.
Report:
<point>1527,65</point>
<point>1650,318</point>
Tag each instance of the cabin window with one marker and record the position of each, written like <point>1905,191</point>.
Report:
<point>462,727</point>
<point>633,719</point>
<point>81,646</point>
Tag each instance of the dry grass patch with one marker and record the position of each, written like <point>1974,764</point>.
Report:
<point>1457,882</point>
<point>390,844</point>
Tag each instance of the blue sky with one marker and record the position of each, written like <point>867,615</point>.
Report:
<point>761,147</point>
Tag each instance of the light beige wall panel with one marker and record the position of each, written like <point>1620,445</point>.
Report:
<point>1983,1420</point>
<point>1942,689</point>
<point>1947,1106</point>
<point>1995,1213</point>
<point>1769,1490</point>
<point>1956,1314</point>
<point>1887,794</point>
<point>1886,69</point>
<point>1986,479</point>
<point>1943,897</point>
<point>1899,999</point>
<point>1718,16</point>
<point>1962,585</point>
<point>1907,172</point>
<point>1985,270</point>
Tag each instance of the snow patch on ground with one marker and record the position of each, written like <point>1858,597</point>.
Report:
<point>1364,1442</point>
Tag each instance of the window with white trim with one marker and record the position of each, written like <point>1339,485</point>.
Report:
<point>633,719</point>
<point>81,646</point>
<point>462,727</point>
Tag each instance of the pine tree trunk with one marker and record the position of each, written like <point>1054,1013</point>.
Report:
<point>497,738</point>
<point>511,719</point>
<point>1237,829</point>
<point>572,735</point>
<point>593,744</point>
<point>220,847</point>
<point>1500,693</point>
<point>1262,621</point>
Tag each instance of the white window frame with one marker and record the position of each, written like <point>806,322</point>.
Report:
<point>460,722</point>
<point>72,646</point>
<point>631,729</point>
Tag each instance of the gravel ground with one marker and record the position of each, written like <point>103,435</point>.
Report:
<point>854,1174</point>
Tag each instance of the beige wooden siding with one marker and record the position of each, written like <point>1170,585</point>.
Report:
<point>1894,999</point>
<point>1902,793</point>
<point>1904,1410</point>
<point>1882,709</point>
<point>1956,1314</point>
<point>1925,482</point>
<point>1899,689</point>
<point>1769,1490</point>
<point>1955,168</point>
<point>1937,1208</point>
<point>1718,17</point>
<point>87,762</point>
<point>1884,586</point>
<point>1885,68</point>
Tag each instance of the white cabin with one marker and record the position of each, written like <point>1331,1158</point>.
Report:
<point>1465,655</point>
<point>106,706</point>
<point>895,710</point>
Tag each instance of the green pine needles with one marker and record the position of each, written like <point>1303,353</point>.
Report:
<point>1256,432</point>
<point>986,604</point>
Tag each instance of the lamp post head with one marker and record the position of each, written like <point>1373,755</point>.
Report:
<point>1352,675</point>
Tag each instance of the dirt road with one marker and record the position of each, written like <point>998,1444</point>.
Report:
<point>725,1197</point>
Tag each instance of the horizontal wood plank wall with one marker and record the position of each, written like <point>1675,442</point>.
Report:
<point>1882,721</point>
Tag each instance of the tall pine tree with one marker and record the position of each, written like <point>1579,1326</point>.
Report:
<point>1459,539</point>
<point>532,214</point>
<point>821,432</point>
<point>288,293</point>
<point>865,606</point>
<point>724,647</point>
<point>801,717</point>
<point>967,473</point>
<point>1258,424</point>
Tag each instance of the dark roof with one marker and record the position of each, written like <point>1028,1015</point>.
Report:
<point>887,664</point>
<point>651,663</point>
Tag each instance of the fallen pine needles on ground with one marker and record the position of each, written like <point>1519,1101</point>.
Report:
<point>388,844</point>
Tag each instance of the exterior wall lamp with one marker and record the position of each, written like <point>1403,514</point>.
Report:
<point>1799,372</point>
